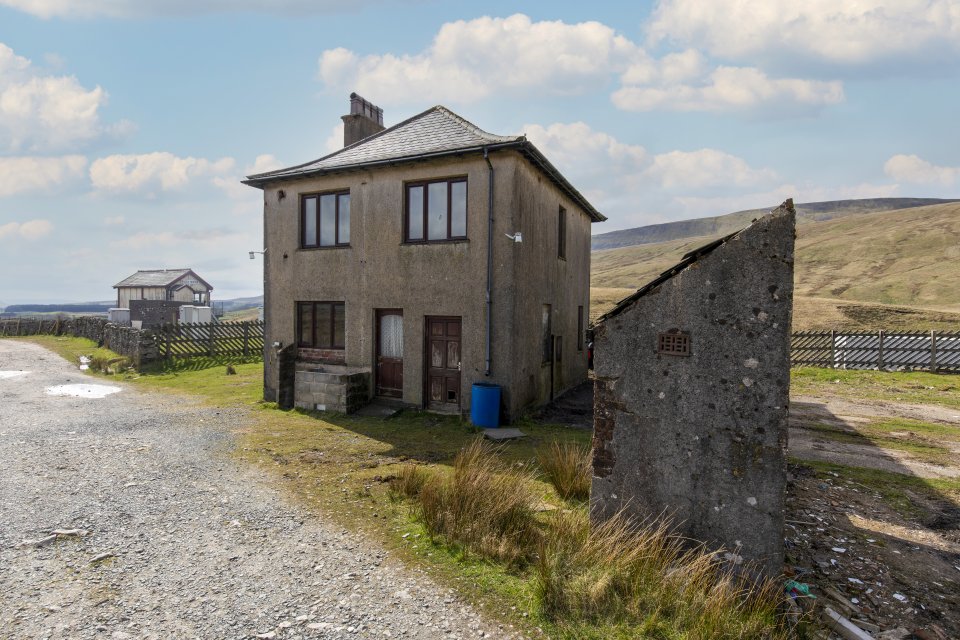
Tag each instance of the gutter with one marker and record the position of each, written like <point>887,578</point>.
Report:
<point>489,260</point>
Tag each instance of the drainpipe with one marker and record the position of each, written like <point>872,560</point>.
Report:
<point>489,257</point>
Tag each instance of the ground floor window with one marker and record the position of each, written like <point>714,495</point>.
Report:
<point>320,325</point>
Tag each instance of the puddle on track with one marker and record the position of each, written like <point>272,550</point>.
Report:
<point>82,390</point>
<point>12,374</point>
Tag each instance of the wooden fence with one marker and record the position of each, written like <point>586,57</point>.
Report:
<point>931,351</point>
<point>210,340</point>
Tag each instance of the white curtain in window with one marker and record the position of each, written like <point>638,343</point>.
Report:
<point>391,336</point>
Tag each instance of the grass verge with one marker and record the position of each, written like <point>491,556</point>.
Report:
<point>916,387</point>
<point>615,580</point>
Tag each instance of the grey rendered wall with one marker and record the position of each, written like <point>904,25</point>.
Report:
<point>378,271</point>
<point>703,438</point>
<point>541,277</point>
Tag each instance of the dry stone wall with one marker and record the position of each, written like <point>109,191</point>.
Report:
<point>139,346</point>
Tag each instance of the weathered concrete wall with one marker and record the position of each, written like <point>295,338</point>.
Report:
<point>541,277</point>
<point>703,437</point>
<point>379,271</point>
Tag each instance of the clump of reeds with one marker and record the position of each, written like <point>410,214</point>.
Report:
<point>483,505</point>
<point>621,572</point>
<point>567,467</point>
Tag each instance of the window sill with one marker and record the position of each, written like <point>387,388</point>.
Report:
<point>327,248</point>
<point>418,243</point>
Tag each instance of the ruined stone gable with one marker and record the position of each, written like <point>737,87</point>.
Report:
<point>692,391</point>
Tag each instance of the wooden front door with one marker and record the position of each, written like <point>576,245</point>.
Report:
<point>390,353</point>
<point>443,363</point>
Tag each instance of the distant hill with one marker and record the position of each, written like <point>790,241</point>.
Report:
<point>58,308</point>
<point>885,269</point>
<point>722,225</point>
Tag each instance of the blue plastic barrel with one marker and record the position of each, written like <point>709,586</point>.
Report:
<point>485,405</point>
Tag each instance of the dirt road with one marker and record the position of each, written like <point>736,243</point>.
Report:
<point>161,535</point>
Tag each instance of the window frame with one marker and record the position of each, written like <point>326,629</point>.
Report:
<point>562,233</point>
<point>546,334</point>
<point>580,333</point>
<point>425,184</point>
<point>338,193</point>
<point>334,304</point>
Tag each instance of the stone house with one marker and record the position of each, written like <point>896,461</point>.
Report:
<point>692,391</point>
<point>171,285</point>
<point>419,259</point>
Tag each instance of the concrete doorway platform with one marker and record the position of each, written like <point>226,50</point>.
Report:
<point>501,435</point>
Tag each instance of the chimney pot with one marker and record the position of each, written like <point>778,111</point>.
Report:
<point>364,120</point>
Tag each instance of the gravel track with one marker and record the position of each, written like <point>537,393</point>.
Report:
<point>201,546</point>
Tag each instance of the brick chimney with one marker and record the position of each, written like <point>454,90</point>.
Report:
<point>364,120</point>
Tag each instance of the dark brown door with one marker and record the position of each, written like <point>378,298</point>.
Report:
<point>443,363</point>
<point>390,353</point>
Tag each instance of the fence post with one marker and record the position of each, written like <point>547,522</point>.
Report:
<point>212,338</point>
<point>833,349</point>
<point>933,351</point>
<point>880,352</point>
<point>167,337</point>
<point>246,338</point>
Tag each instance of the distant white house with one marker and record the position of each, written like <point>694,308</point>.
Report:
<point>175,285</point>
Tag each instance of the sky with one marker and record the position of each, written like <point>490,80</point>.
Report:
<point>127,125</point>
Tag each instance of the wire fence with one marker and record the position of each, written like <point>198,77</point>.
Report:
<point>883,350</point>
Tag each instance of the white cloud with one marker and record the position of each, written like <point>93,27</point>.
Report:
<point>24,174</point>
<point>114,221</point>
<point>41,112</point>
<point>626,180</point>
<point>197,237</point>
<point>151,173</point>
<point>705,168</point>
<point>915,170</point>
<point>29,230</point>
<point>689,87</point>
<point>472,59</point>
<point>838,32</point>
<point>697,206</point>
<point>334,141</point>
<point>145,8</point>
<point>247,199</point>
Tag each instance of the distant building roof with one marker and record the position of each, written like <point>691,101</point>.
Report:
<point>158,278</point>
<point>437,132</point>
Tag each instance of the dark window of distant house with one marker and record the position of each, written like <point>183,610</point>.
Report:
<point>320,325</point>
<point>562,234</point>
<point>580,328</point>
<point>325,220</point>
<point>435,211</point>
<point>547,336</point>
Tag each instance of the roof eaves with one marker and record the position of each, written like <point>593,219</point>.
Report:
<point>266,179</point>
<point>537,157</point>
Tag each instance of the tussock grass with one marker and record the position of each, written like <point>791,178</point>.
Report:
<point>409,481</point>
<point>641,575</point>
<point>618,579</point>
<point>483,505</point>
<point>567,466</point>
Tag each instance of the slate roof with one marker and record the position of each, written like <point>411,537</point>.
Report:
<point>437,132</point>
<point>157,278</point>
<point>688,259</point>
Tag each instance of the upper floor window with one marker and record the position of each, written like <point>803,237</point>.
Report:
<point>325,220</point>
<point>435,211</point>
<point>562,234</point>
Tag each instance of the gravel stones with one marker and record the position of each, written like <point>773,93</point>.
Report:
<point>180,541</point>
